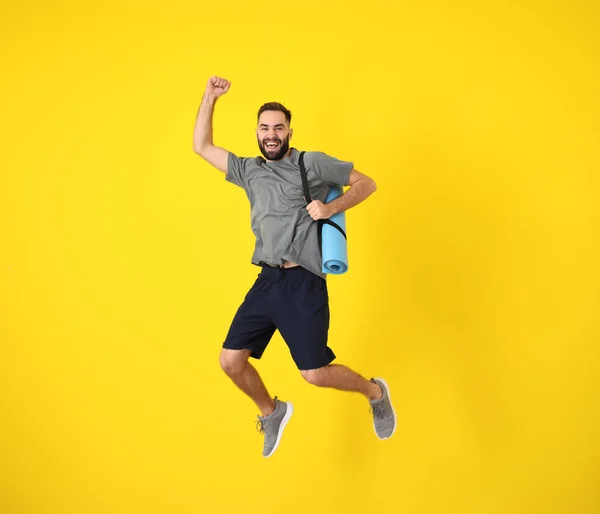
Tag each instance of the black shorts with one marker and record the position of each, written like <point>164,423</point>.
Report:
<point>294,301</point>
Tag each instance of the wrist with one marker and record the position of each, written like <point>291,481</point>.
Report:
<point>210,99</point>
<point>332,209</point>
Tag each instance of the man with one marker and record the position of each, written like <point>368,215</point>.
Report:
<point>290,293</point>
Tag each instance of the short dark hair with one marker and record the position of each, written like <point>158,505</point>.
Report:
<point>276,106</point>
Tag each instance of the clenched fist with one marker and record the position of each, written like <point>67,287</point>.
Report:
<point>319,210</point>
<point>217,86</point>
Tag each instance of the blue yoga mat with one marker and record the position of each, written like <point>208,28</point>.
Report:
<point>334,248</point>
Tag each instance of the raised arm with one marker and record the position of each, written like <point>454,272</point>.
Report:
<point>203,130</point>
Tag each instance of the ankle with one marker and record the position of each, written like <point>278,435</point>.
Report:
<point>375,392</point>
<point>267,409</point>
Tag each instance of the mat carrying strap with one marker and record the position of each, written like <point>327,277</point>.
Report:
<point>309,199</point>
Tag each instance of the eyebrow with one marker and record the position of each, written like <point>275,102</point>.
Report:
<point>276,126</point>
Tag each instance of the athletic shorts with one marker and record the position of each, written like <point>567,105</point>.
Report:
<point>294,301</point>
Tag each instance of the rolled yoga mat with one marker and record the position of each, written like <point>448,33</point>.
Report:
<point>334,248</point>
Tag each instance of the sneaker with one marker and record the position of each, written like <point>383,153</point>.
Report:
<point>384,416</point>
<point>272,426</point>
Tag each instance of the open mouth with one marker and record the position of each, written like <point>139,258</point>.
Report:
<point>272,145</point>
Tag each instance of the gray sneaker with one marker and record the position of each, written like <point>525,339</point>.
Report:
<point>384,416</point>
<point>272,426</point>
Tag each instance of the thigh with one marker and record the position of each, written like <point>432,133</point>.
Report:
<point>303,321</point>
<point>252,327</point>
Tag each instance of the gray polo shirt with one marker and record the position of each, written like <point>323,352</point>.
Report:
<point>283,228</point>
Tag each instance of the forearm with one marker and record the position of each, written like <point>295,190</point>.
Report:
<point>203,128</point>
<point>357,193</point>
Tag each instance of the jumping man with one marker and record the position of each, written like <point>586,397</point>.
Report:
<point>290,293</point>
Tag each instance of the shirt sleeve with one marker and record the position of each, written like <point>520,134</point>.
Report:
<point>332,171</point>
<point>236,170</point>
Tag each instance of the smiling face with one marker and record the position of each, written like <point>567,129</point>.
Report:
<point>273,135</point>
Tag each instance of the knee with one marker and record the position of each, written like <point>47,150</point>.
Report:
<point>316,377</point>
<point>233,361</point>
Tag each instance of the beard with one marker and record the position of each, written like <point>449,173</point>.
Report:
<point>276,153</point>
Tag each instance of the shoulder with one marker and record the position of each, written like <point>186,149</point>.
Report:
<point>329,169</point>
<point>321,161</point>
<point>246,162</point>
<point>240,169</point>
<point>316,158</point>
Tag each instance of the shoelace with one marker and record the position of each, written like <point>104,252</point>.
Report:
<point>378,411</point>
<point>261,424</point>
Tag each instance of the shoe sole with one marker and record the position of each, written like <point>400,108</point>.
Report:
<point>288,414</point>
<point>387,389</point>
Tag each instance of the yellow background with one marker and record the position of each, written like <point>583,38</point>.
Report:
<point>473,285</point>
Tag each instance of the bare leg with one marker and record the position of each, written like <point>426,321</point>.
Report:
<point>340,377</point>
<point>244,375</point>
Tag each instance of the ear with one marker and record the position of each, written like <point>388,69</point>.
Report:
<point>291,133</point>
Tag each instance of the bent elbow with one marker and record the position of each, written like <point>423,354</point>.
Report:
<point>373,186</point>
<point>199,150</point>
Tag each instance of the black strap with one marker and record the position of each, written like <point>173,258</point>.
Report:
<point>309,199</point>
<point>304,179</point>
